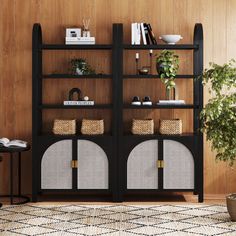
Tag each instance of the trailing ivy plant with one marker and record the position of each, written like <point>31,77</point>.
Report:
<point>219,115</point>
<point>80,65</point>
<point>167,64</point>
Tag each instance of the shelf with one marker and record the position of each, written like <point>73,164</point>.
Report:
<point>154,76</point>
<point>74,136</point>
<point>70,76</point>
<point>76,47</point>
<point>161,47</point>
<point>61,106</point>
<point>182,106</point>
<point>160,135</point>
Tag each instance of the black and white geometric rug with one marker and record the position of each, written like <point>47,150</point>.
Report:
<point>116,220</point>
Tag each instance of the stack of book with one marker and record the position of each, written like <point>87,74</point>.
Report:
<point>78,103</point>
<point>142,32</point>
<point>171,102</point>
<point>80,40</point>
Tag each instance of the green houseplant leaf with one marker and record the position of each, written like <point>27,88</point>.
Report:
<point>167,64</point>
<point>219,115</point>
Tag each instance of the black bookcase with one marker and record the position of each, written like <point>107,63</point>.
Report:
<point>117,145</point>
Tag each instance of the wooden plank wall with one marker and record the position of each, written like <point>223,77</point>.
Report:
<point>166,16</point>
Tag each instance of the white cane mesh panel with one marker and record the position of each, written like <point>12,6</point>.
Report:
<point>178,166</point>
<point>92,166</point>
<point>56,172</point>
<point>142,172</point>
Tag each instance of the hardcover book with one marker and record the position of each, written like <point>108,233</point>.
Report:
<point>5,142</point>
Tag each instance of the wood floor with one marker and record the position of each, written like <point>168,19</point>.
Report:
<point>130,200</point>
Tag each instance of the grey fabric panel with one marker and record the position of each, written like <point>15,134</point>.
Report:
<point>142,172</point>
<point>56,166</point>
<point>92,166</point>
<point>178,166</point>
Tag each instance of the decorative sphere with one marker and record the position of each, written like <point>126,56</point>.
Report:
<point>86,98</point>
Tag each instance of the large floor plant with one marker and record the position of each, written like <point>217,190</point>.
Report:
<point>219,115</point>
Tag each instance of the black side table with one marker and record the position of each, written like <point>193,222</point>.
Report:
<point>12,151</point>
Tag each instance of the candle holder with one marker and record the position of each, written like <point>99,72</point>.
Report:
<point>137,63</point>
<point>150,60</point>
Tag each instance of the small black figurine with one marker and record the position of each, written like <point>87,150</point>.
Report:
<point>147,101</point>
<point>136,101</point>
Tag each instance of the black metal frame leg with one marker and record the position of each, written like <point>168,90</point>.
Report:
<point>11,177</point>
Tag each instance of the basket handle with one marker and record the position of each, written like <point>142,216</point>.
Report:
<point>73,91</point>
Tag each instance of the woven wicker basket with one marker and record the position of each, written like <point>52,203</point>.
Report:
<point>64,127</point>
<point>92,127</point>
<point>142,126</point>
<point>171,126</point>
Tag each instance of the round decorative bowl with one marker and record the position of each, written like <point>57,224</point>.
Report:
<point>170,38</point>
<point>143,71</point>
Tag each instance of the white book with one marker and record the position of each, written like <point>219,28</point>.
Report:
<point>78,103</point>
<point>135,32</point>
<point>13,143</point>
<point>79,43</point>
<point>143,34</point>
<point>138,34</point>
<point>171,102</point>
<point>80,38</point>
<point>132,34</point>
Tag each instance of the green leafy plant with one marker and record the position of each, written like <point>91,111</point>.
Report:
<point>219,115</point>
<point>167,64</point>
<point>80,66</point>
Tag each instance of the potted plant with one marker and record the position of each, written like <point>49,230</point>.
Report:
<point>81,67</point>
<point>219,117</point>
<point>167,65</point>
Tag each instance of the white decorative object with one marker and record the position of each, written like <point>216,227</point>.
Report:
<point>86,98</point>
<point>170,38</point>
<point>78,71</point>
<point>73,32</point>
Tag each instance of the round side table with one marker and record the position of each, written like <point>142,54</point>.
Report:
<point>12,151</point>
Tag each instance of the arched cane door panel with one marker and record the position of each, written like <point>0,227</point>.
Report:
<point>92,166</point>
<point>56,170</point>
<point>142,172</point>
<point>178,166</point>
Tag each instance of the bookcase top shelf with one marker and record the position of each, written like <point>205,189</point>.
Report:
<point>125,46</point>
<point>76,47</point>
<point>161,47</point>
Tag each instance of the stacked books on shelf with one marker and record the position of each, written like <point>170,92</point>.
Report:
<point>171,102</point>
<point>142,32</point>
<point>78,103</point>
<point>79,40</point>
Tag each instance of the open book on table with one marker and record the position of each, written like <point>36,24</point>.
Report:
<point>13,143</point>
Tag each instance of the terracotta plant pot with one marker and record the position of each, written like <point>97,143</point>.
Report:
<point>231,206</point>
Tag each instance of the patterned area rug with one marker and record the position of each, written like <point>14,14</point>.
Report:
<point>116,220</point>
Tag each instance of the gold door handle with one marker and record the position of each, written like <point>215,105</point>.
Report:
<point>160,164</point>
<point>74,164</point>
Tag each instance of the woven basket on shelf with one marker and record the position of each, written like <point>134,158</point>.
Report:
<point>64,127</point>
<point>92,127</point>
<point>173,126</point>
<point>142,126</point>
